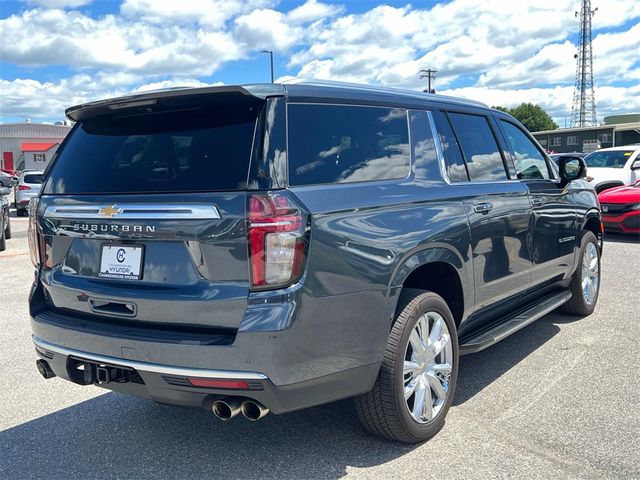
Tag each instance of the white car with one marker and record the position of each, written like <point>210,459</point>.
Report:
<point>613,167</point>
<point>28,187</point>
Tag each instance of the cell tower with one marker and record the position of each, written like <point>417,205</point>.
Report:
<point>583,111</point>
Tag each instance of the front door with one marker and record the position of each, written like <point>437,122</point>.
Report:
<point>554,218</point>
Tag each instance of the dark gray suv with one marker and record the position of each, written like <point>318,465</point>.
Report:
<point>273,247</point>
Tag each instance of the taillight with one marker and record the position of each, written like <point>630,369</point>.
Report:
<point>32,233</point>
<point>277,243</point>
<point>24,187</point>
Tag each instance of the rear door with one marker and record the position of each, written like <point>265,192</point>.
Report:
<point>144,214</point>
<point>497,208</point>
<point>554,210</point>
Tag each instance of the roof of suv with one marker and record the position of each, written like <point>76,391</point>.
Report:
<point>297,90</point>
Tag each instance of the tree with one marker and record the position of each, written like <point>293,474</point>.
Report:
<point>531,116</point>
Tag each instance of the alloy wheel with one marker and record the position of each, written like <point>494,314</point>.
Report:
<point>427,367</point>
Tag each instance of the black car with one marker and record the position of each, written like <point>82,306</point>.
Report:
<point>267,248</point>
<point>5,220</point>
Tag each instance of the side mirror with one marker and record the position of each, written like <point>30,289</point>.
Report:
<point>571,168</point>
<point>4,191</point>
<point>14,181</point>
<point>636,164</point>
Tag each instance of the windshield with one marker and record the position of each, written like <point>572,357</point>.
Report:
<point>610,159</point>
<point>189,150</point>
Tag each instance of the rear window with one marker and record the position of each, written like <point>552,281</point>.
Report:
<point>481,152</point>
<point>342,144</point>
<point>206,149</point>
<point>34,178</point>
<point>611,159</point>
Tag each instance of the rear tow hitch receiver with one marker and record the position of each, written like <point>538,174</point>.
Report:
<point>89,373</point>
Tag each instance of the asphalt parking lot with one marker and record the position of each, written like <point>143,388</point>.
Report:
<point>559,399</point>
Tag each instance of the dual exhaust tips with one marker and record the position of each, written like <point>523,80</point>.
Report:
<point>228,408</point>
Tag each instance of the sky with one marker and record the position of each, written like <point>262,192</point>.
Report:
<point>59,53</point>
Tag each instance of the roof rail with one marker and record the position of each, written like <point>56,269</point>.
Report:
<point>377,88</point>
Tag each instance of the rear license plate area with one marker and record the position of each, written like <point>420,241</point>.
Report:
<point>121,262</point>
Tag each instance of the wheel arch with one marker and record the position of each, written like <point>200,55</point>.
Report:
<point>439,270</point>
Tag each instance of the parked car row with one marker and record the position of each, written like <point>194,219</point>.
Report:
<point>615,174</point>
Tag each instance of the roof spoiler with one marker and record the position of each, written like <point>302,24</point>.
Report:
<point>171,96</point>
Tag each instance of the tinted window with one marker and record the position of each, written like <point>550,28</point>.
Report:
<point>34,178</point>
<point>423,147</point>
<point>530,163</point>
<point>610,159</point>
<point>454,163</point>
<point>338,144</point>
<point>179,151</point>
<point>479,146</point>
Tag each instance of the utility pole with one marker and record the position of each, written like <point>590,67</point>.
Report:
<point>583,111</point>
<point>429,75</point>
<point>270,52</point>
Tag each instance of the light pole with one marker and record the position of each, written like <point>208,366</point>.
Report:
<point>270,52</point>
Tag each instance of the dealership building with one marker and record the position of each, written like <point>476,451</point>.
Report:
<point>28,145</point>
<point>616,130</point>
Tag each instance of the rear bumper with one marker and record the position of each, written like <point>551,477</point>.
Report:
<point>298,350</point>
<point>169,384</point>
<point>626,223</point>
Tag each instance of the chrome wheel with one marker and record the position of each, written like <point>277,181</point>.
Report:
<point>590,273</point>
<point>428,363</point>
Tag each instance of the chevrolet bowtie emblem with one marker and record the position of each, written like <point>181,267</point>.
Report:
<point>110,211</point>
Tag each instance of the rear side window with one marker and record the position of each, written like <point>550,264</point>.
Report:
<point>479,146</point>
<point>530,163</point>
<point>177,151</point>
<point>341,144</point>
<point>454,163</point>
<point>35,178</point>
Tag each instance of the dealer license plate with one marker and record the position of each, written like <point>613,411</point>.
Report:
<point>121,262</point>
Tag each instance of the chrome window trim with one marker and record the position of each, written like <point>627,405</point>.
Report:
<point>150,367</point>
<point>439,150</point>
<point>134,211</point>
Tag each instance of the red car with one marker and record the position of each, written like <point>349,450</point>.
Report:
<point>621,209</point>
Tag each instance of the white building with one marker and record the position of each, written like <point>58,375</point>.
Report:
<point>29,145</point>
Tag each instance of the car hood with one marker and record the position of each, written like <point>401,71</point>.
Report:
<point>604,174</point>
<point>630,194</point>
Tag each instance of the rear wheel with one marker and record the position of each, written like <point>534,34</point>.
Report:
<point>585,282</point>
<point>417,379</point>
<point>21,212</point>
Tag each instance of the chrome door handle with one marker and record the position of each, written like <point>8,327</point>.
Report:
<point>537,201</point>
<point>483,208</point>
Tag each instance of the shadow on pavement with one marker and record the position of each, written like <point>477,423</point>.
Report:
<point>479,370</point>
<point>115,436</point>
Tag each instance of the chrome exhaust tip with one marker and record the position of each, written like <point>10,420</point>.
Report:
<point>44,369</point>
<point>253,410</point>
<point>226,409</point>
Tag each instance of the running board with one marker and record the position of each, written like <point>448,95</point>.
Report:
<point>494,334</point>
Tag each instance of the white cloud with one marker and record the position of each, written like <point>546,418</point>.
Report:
<point>504,50</point>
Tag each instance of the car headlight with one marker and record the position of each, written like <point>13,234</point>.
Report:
<point>635,206</point>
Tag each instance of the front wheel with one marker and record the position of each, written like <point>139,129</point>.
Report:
<point>417,378</point>
<point>7,231</point>
<point>585,282</point>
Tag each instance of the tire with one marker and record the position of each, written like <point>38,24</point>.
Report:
<point>21,213</point>
<point>7,231</point>
<point>580,303</point>
<point>384,410</point>
<point>3,241</point>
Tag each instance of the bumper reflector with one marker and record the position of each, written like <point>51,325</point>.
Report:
<point>227,384</point>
